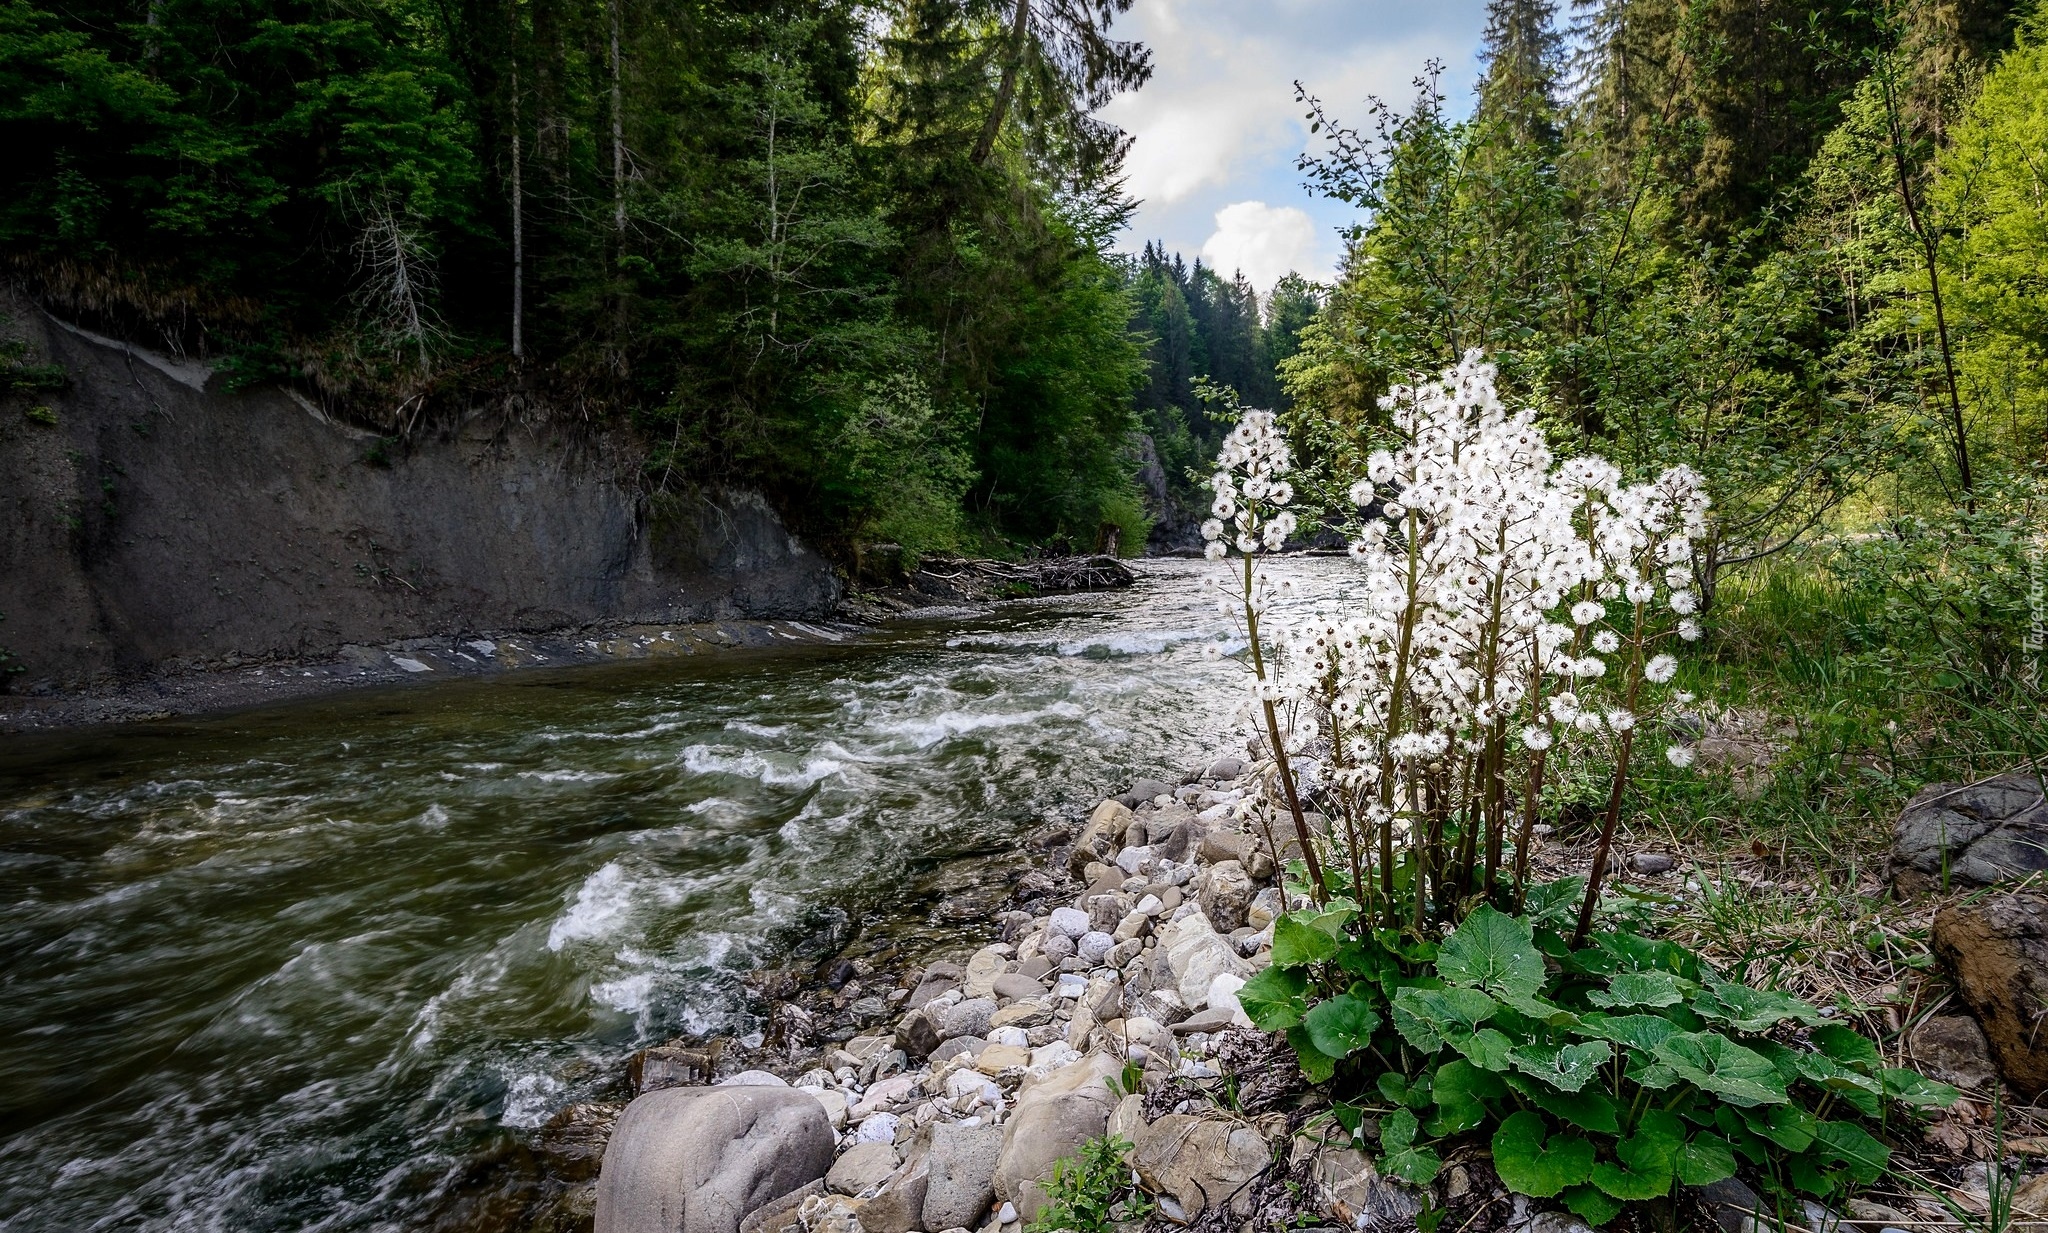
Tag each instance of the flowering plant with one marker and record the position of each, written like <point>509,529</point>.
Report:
<point>1509,606</point>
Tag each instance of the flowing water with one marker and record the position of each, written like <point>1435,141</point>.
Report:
<point>293,968</point>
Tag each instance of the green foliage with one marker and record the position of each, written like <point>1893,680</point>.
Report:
<point>1608,1076</point>
<point>1092,1191</point>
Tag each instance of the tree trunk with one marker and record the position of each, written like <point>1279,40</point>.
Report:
<point>618,133</point>
<point>518,229</point>
<point>1020,29</point>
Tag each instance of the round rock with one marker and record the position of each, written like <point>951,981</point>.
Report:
<point>701,1159</point>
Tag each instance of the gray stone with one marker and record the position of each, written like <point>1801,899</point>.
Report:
<point>1225,894</point>
<point>1011,986</point>
<point>899,1208</point>
<point>918,1034</point>
<point>753,1078</point>
<point>662,1066</point>
<point>863,1167</point>
<point>783,1215</point>
<point>969,1045</point>
<point>982,969</point>
<point>1224,768</point>
<point>699,1160</point>
<point>1057,946</point>
<point>1265,906</point>
<point>1104,911</point>
<point>1971,834</point>
<point>1037,967</point>
<point>968,1018</point>
<point>940,978</point>
<point>1952,1048</point>
<point>1732,1203</point>
<point>1202,1162</point>
<point>1196,955</point>
<point>1054,1115</point>
<point>1068,922</point>
<point>1144,790</point>
<point>1094,945</point>
<point>1099,839</point>
<point>1360,1195</point>
<point>1214,1019</point>
<point>962,1177</point>
<point>1225,845</point>
<point>1651,863</point>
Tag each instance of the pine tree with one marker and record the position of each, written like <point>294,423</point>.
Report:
<point>1524,57</point>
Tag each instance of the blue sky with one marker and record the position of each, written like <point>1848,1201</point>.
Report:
<point>1217,129</point>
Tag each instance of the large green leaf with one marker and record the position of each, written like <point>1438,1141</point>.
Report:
<point>1713,1063</point>
<point>1315,1064</point>
<point>1298,943</point>
<point>1533,1161</point>
<point>1847,1046</point>
<point>1590,1109</point>
<point>1493,952</point>
<point>1426,1017</point>
<point>1705,1159</point>
<point>1568,1068</point>
<point>1640,989</point>
<point>1861,1154</point>
<point>1644,1161</point>
<point>1402,1158</point>
<point>1342,1025</point>
<point>1912,1088</point>
<point>1399,1088</point>
<point>1753,1010</point>
<point>1637,1031</point>
<point>1590,1204</point>
<point>1788,1126</point>
<point>1462,1091</point>
<point>1275,998</point>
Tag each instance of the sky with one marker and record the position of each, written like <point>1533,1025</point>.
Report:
<point>1217,129</point>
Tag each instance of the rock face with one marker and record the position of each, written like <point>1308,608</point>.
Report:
<point>1952,1048</point>
<point>254,524</point>
<point>1053,1118</point>
<point>1201,1162</point>
<point>1997,952</point>
<point>1971,834</point>
<point>700,1160</point>
<point>963,1171</point>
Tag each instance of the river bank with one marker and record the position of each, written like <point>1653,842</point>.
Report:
<point>233,682</point>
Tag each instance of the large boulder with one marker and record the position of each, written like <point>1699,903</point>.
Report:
<point>1997,952</point>
<point>1101,837</point>
<point>1054,1116</point>
<point>1196,955</point>
<point>962,1182</point>
<point>1202,1162</point>
<point>1971,834</point>
<point>701,1159</point>
<point>899,1208</point>
<point>1952,1048</point>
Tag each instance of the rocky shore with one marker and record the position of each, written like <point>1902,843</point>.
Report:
<point>942,1096</point>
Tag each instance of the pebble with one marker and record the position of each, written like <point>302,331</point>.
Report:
<point>1150,905</point>
<point>1651,862</point>
<point>1095,944</point>
<point>753,1078</point>
<point>1130,860</point>
<point>1008,1214</point>
<point>877,1128</point>
<point>1071,985</point>
<point>1010,1036</point>
<point>1068,922</point>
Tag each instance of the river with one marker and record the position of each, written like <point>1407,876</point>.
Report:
<point>295,968</point>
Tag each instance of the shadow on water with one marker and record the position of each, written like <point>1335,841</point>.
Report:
<point>326,965</point>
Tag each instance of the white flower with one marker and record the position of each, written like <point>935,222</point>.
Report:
<point>1620,720</point>
<point>1394,511</point>
<point>1641,592</point>
<point>1379,468</point>
<point>1689,630</point>
<point>1212,529</point>
<point>1587,721</point>
<point>1585,612</point>
<point>1216,552</point>
<point>1684,602</point>
<point>1679,756</point>
<point>1660,669</point>
<point>1223,506</point>
<point>1536,738</point>
<point>1361,492</point>
<point>1281,492</point>
<point>1607,642</point>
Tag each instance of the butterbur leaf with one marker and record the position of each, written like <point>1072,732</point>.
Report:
<point>1713,1063</point>
<point>1554,903</point>
<point>1629,952</point>
<point>1862,1156</point>
<point>1462,1090</point>
<point>1705,1159</point>
<point>1418,1166</point>
<point>1567,1069</point>
<point>1909,1087</point>
<point>1788,1126</point>
<point>1493,952</point>
<point>1589,1109</point>
<point>1535,1162</point>
<point>1399,1088</point>
<point>1862,1092</point>
<point>1643,1161</point>
<point>1639,989</point>
<point>1342,1025</point>
<point>1637,1031</point>
<point>1644,1071</point>
<point>1847,1046</point>
<point>1753,1010</point>
<point>1591,1205</point>
<point>1274,999</point>
<point>1812,1176</point>
<point>1315,1064</point>
<point>1350,1117</point>
<point>1296,943</point>
<point>1427,1017</point>
<point>1398,1129</point>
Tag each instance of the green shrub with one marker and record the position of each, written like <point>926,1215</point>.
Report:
<point>1092,1191</point>
<point>1600,1075</point>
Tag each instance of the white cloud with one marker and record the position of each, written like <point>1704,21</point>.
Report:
<point>1265,242</point>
